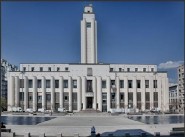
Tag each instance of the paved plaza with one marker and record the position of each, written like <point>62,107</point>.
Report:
<point>69,125</point>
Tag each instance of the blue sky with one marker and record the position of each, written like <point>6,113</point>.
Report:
<point>128,32</point>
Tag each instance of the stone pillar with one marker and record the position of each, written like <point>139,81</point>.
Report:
<point>52,93</point>
<point>34,93</point>
<point>93,41</point>
<point>83,42</point>
<point>79,94</point>
<point>166,95</point>
<point>126,92</point>
<point>70,94</point>
<point>43,93</point>
<point>143,90</point>
<point>17,90</point>
<point>159,92</point>
<point>96,42</point>
<point>117,92</point>
<point>134,93</point>
<point>25,93</point>
<point>84,92</point>
<point>95,93</point>
<point>108,94</point>
<point>11,92</point>
<point>151,82</point>
<point>61,86</point>
<point>99,92</point>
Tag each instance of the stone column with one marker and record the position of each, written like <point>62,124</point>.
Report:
<point>95,93</point>
<point>83,42</point>
<point>61,86</point>
<point>134,93</point>
<point>84,92</point>
<point>126,92</point>
<point>79,94</point>
<point>166,94</point>
<point>17,90</point>
<point>92,41</point>
<point>143,90</point>
<point>99,92</point>
<point>108,94</point>
<point>25,93</point>
<point>34,93</point>
<point>52,93</point>
<point>117,92</point>
<point>159,92</point>
<point>11,92</point>
<point>43,93</point>
<point>70,94</point>
<point>151,82</point>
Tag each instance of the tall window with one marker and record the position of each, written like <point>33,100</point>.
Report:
<point>48,83</point>
<point>155,83</point>
<point>152,69</point>
<point>103,84</point>
<point>146,83</point>
<point>39,83</point>
<point>66,69</point>
<point>41,68</point>
<point>128,69</point>
<point>89,72</point>
<point>129,83</point>
<point>65,83</point>
<point>74,83</point>
<point>30,83</point>
<point>49,68</point>
<point>21,83</point>
<point>56,83</point>
<point>24,68</point>
<point>32,68</point>
<point>88,24</point>
<point>144,69</point>
<point>112,82</point>
<point>138,83</point>
<point>136,69</point>
<point>58,69</point>
<point>119,69</point>
<point>121,82</point>
<point>111,69</point>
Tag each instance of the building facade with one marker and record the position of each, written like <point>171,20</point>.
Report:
<point>174,98</point>
<point>89,84</point>
<point>181,87</point>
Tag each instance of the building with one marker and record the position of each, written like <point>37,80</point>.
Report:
<point>89,84</point>
<point>174,98</point>
<point>5,68</point>
<point>181,87</point>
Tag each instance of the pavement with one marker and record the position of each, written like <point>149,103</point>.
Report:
<point>104,124</point>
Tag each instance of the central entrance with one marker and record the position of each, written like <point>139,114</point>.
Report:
<point>89,102</point>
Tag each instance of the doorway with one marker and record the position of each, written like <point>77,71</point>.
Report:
<point>89,102</point>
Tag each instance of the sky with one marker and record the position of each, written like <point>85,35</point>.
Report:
<point>128,33</point>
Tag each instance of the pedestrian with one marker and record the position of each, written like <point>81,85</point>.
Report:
<point>93,131</point>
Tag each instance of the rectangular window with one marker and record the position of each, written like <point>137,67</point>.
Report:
<point>136,69</point>
<point>21,83</point>
<point>30,83</point>
<point>152,69</point>
<point>65,83</point>
<point>146,83</point>
<point>121,82</point>
<point>89,72</point>
<point>49,68</point>
<point>155,96</point>
<point>56,83</point>
<point>138,83</point>
<point>144,69</point>
<point>41,68</point>
<point>48,83</point>
<point>112,82</point>
<point>39,83</point>
<point>103,84</point>
<point>147,95</point>
<point>32,68</point>
<point>119,69</point>
<point>111,69</point>
<point>66,69</point>
<point>48,97</point>
<point>58,69</point>
<point>66,98</point>
<point>89,86</point>
<point>155,83</point>
<point>74,83</point>
<point>128,69</point>
<point>129,83</point>
<point>88,24</point>
<point>24,68</point>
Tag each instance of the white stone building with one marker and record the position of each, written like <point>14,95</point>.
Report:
<point>181,88</point>
<point>89,84</point>
<point>173,98</point>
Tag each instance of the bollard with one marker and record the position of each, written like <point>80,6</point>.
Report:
<point>157,134</point>
<point>42,135</point>
<point>127,135</point>
<point>76,135</point>
<point>27,135</point>
<point>143,134</point>
<point>59,135</point>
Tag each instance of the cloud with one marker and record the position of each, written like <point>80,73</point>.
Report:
<point>170,64</point>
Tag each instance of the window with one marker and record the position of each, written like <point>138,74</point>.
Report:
<point>74,83</point>
<point>38,83</point>
<point>146,83</point>
<point>41,68</point>
<point>30,83</point>
<point>129,83</point>
<point>24,68</point>
<point>58,69</point>
<point>119,69</point>
<point>88,24</point>
<point>56,83</point>
<point>32,68</point>
<point>66,68</point>
<point>136,69</point>
<point>122,96</point>
<point>89,72</point>
<point>152,69</point>
<point>103,84</point>
<point>111,69</point>
<point>144,69</point>
<point>21,83</point>
<point>138,83</point>
<point>65,83</point>
<point>128,69</point>
<point>48,97</point>
<point>155,83</point>
<point>48,83</point>
<point>66,98</point>
<point>121,82</point>
<point>112,82</point>
<point>49,68</point>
